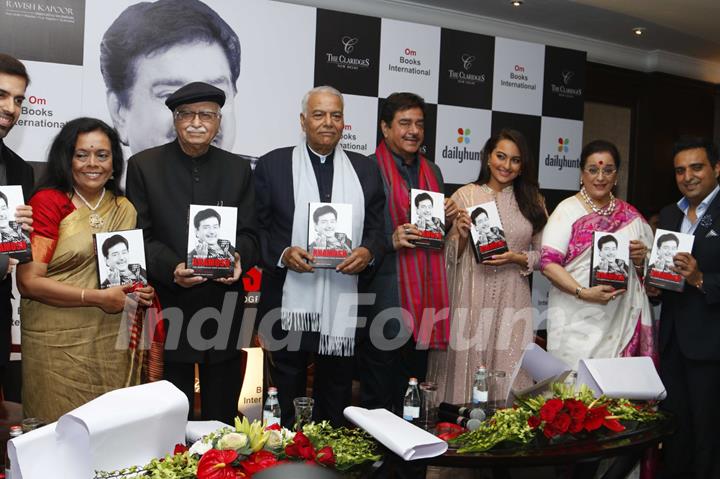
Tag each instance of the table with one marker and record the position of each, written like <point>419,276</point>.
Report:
<point>582,456</point>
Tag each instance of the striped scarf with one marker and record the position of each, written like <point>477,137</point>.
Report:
<point>422,279</point>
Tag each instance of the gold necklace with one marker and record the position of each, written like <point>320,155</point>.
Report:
<point>604,211</point>
<point>96,221</point>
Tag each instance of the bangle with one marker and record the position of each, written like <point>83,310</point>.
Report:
<point>82,296</point>
<point>577,291</point>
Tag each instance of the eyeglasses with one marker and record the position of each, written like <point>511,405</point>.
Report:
<point>204,115</point>
<point>595,171</point>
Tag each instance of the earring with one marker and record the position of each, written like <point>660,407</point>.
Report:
<point>581,183</point>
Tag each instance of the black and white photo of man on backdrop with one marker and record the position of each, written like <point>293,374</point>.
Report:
<point>138,53</point>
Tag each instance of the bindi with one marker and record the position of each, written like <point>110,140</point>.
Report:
<point>600,162</point>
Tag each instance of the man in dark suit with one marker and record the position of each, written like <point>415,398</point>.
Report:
<point>286,181</point>
<point>162,182</point>
<point>14,80</point>
<point>690,320</point>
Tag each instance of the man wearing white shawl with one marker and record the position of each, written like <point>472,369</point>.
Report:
<point>306,312</point>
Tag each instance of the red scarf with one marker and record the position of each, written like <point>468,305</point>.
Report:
<point>422,279</point>
<point>151,360</point>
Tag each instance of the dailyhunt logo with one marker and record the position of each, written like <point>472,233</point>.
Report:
<point>458,153</point>
<point>561,161</point>
<point>464,135</point>
<point>563,145</point>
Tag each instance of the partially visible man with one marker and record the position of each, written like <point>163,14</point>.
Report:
<point>690,320</point>
<point>14,80</point>
<point>162,182</point>
<point>318,307</point>
<point>151,50</point>
<point>411,278</point>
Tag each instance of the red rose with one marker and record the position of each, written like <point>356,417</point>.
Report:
<point>550,409</point>
<point>576,425</point>
<point>273,427</point>
<point>258,461</point>
<point>561,422</point>
<point>534,421</point>
<point>300,447</point>
<point>326,457</point>
<point>215,464</point>
<point>576,409</point>
<point>179,449</point>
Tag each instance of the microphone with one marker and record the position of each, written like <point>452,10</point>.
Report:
<point>468,423</point>
<point>471,413</point>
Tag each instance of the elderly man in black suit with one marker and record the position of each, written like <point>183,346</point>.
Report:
<point>690,320</point>
<point>162,182</point>
<point>317,307</point>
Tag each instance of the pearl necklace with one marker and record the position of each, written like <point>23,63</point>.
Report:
<point>96,220</point>
<point>607,210</point>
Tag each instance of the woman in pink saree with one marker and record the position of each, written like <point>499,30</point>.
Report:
<point>598,321</point>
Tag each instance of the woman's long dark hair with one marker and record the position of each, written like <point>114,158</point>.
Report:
<point>58,173</point>
<point>525,186</point>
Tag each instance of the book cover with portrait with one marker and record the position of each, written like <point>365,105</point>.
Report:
<point>120,258</point>
<point>666,245</point>
<point>211,233</point>
<point>14,241</point>
<point>427,212</point>
<point>486,231</point>
<point>329,233</point>
<point>610,260</point>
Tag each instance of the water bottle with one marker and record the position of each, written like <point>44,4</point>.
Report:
<point>271,409</point>
<point>480,388</point>
<point>411,405</point>
<point>15,431</point>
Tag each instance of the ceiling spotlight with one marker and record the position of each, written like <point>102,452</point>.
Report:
<point>516,3</point>
<point>639,31</point>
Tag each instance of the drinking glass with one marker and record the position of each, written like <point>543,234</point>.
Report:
<point>303,411</point>
<point>428,412</point>
<point>498,390</point>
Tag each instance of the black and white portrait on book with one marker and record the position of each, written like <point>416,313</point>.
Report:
<point>120,258</point>
<point>427,210</point>
<point>211,232</point>
<point>330,226</point>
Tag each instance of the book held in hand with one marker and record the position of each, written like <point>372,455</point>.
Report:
<point>666,245</point>
<point>329,233</point>
<point>120,258</point>
<point>427,212</point>
<point>486,231</point>
<point>211,233</point>
<point>13,240</point>
<point>610,260</point>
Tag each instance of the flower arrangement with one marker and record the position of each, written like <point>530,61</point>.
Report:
<point>250,447</point>
<point>567,414</point>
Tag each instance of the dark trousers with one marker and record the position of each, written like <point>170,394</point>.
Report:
<point>332,384</point>
<point>693,389</point>
<point>219,387</point>
<point>383,372</point>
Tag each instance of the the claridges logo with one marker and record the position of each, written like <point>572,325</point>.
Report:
<point>461,154</point>
<point>349,43</point>
<point>465,77</point>
<point>344,60</point>
<point>467,60</point>
<point>564,89</point>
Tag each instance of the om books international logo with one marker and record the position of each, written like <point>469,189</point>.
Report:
<point>564,87</point>
<point>463,75</point>
<point>563,145</point>
<point>461,153</point>
<point>345,60</point>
